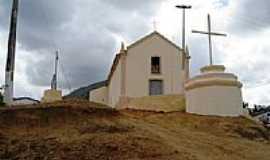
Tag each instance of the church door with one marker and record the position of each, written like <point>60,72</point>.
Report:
<point>156,87</point>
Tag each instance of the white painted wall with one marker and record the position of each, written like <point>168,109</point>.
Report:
<point>114,88</point>
<point>99,95</point>
<point>138,72</point>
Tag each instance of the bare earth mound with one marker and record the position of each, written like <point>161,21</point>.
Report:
<point>82,130</point>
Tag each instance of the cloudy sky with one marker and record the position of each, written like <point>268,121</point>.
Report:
<point>88,34</point>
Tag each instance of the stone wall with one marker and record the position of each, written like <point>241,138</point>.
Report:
<point>168,103</point>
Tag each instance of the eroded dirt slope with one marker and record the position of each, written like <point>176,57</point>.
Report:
<point>82,130</point>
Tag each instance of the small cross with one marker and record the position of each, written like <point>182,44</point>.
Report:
<point>155,24</point>
<point>210,34</point>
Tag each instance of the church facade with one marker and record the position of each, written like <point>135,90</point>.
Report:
<point>151,66</point>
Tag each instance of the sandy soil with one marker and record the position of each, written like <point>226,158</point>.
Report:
<point>88,131</point>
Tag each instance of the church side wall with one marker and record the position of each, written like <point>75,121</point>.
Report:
<point>114,88</point>
<point>138,71</point>
<point>99,95</point>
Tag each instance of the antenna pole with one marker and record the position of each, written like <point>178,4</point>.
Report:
<point>56,69</point>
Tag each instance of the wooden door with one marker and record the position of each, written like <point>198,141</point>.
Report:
<point>156,87</point>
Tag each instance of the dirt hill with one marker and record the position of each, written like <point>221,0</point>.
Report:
<point>88,131</point>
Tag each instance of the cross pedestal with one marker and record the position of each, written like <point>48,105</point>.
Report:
<point>51,95</point>
<point>214,92</point>
<point>213,69</point>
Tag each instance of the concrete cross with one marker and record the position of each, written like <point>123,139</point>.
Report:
<point>209,33</point>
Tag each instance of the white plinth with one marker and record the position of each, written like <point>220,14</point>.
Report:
<point>51,96</point>
<point>214,93</point>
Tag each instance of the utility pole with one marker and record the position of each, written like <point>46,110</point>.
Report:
<point>184,7</point>
<point>10,65</point>
<point>210,34</point>
<point>185,57</point>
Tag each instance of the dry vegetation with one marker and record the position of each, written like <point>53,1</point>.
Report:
<point>81,130</point>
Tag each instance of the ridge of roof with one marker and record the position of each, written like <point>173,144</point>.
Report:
<point>150,35</point>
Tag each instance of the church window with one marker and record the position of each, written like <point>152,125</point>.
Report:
<point>155,65</point>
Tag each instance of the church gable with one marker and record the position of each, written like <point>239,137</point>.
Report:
<point>150,66</point>
<point>153,36</point>
<point>153,67</point>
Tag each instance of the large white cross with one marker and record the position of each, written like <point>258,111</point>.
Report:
<point>209,33</point>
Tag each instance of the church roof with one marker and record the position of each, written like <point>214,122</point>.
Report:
<point>118,56</point>
<point>150,35</point>
<point>114,65</point>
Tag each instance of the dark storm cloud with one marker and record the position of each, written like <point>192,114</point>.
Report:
<point>38,21</point>
<point>250,17</point>
<point>132,5</point>
<point>83,30</point>
<point>139,6</point>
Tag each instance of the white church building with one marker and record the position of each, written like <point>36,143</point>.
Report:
<point>151,66</point>
<point>155,66</point>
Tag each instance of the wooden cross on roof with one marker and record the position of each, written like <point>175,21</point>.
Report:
<point>155,24</point>
<point>210,33</point>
